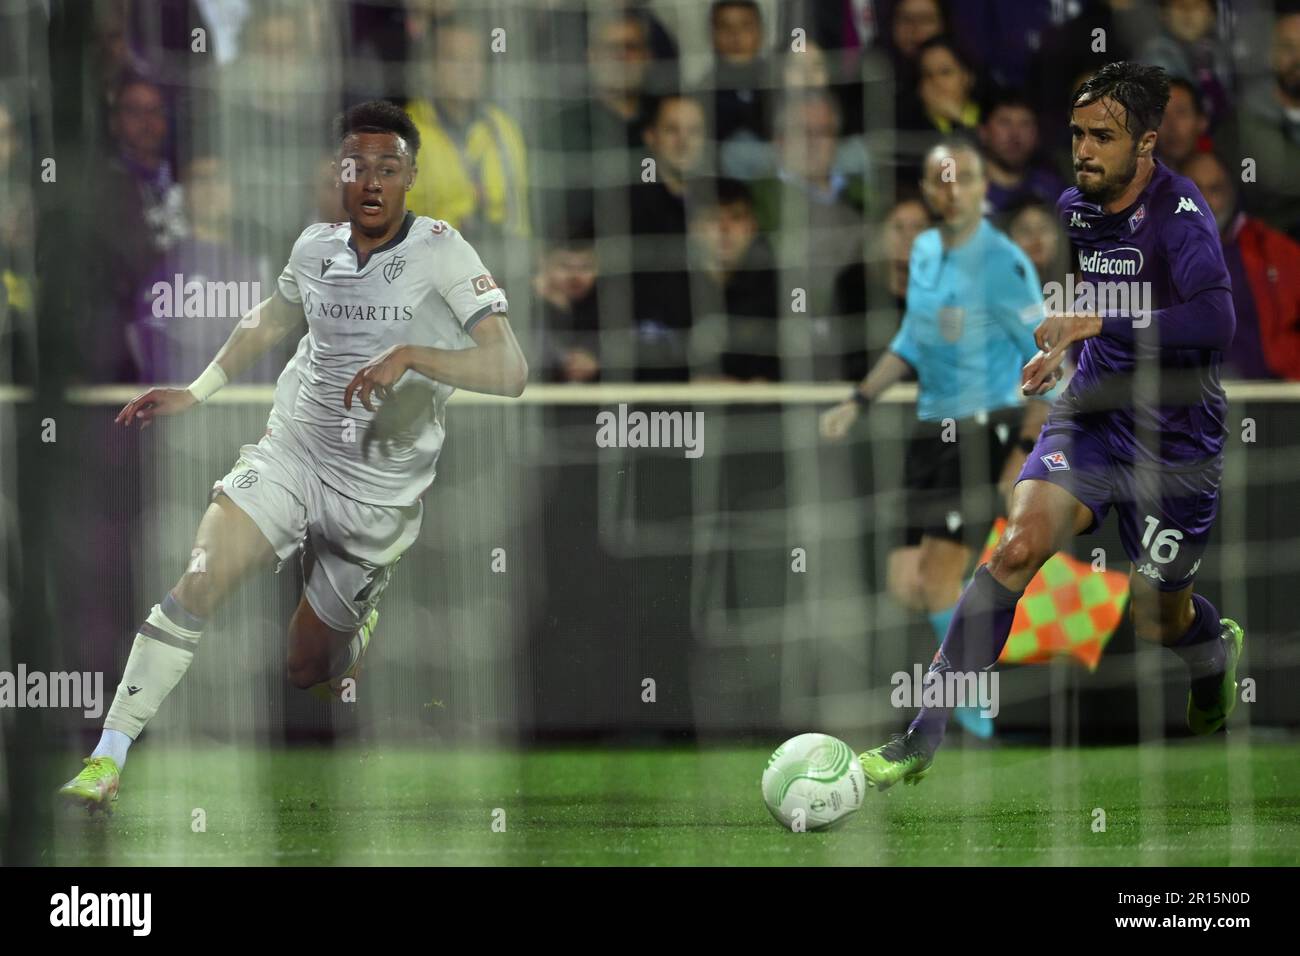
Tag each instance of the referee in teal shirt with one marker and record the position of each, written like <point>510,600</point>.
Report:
<point>973,302</point>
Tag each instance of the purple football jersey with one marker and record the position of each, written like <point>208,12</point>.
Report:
<point>1148,385</point>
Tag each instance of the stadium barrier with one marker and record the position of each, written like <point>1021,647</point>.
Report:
<point>561,589</point>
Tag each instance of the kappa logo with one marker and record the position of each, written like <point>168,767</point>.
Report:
<point>325,264</point>
<point>1056,461</point>
<point>1186,205</point>
<point>1076,222</point>
<point>939,663</point>
<point>1151,571</point>
<point>393,268</point>
<point>133,690</point>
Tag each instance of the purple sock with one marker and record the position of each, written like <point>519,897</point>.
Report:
<point>979,630</point>
<point>1202,651</point>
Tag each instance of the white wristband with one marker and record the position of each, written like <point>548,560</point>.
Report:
<point>207,384</point>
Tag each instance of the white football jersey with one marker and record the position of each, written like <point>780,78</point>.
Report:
<point>426,286</point>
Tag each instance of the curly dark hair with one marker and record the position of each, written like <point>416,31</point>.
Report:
<point>1142,90</point>
<point>377,116</point>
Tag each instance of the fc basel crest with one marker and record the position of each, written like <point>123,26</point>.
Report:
<point>393,268</point>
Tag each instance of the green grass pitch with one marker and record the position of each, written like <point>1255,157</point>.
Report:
<point>1217,802</point>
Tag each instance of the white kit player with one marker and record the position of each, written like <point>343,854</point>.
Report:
<point>400,312</point>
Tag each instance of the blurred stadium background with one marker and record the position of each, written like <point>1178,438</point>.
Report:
<point>786,138</point>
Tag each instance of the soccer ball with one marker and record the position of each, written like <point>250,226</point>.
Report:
<point>813,781</point>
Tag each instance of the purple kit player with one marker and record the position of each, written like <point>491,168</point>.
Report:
<point>1139,428</point>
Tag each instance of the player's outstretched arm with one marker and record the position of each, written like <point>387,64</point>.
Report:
<point>261,329</point>
<point>496,366</point>
<point>888,370</point>
<point>265,324</point>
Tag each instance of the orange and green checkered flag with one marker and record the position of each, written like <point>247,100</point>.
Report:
<point>1068,610</point>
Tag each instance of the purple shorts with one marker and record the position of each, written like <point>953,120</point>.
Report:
<point>1165,513</point>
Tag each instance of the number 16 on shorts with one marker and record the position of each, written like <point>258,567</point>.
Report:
<point>1168,556</point>
<point>1162,546</point>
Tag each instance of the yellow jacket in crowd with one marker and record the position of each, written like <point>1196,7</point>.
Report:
<point>479,182</point>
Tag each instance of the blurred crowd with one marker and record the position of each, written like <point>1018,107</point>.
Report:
<point>667,191</point>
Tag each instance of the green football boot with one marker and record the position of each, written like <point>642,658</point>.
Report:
<point>95,788</point>
<point>333,689</point>
<point>905,759</point>
<point>1209,718</point>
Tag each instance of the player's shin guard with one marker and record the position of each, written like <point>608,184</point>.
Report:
<point>160,656</point>
<point>978,632</point>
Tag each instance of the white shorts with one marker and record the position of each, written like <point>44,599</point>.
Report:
<point>348,547</point>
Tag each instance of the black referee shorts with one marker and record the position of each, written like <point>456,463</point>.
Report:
<point>951,485</point>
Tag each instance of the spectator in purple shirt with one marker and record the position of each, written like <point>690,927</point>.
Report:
<point>138,125</point>
<point>174,338</point>
<point>1009,138</point>
<point>137,216</point>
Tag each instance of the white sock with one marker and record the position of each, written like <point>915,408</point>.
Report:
<point>115,744</point>
<point>159,658</point>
